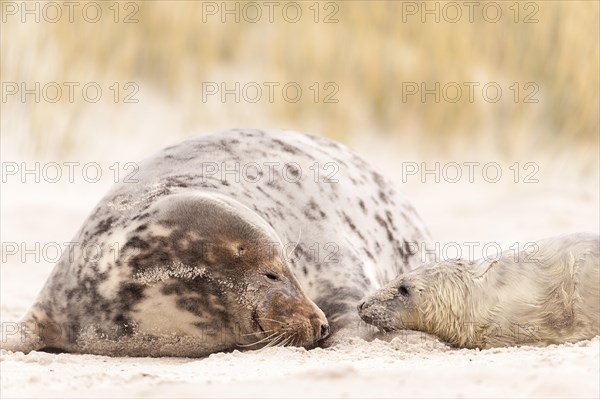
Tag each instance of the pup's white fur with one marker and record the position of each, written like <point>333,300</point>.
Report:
<point>549,294</point>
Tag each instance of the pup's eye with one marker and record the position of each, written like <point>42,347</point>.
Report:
<point>403,290</point>
<point>272,276</point>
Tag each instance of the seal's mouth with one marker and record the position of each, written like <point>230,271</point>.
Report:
<point>381,323</point>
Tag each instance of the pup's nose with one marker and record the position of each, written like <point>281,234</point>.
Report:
<point>324,330</point>
<point>361,305</point>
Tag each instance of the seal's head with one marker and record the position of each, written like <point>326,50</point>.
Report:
<point>426,299</point>
<point>224,268</point>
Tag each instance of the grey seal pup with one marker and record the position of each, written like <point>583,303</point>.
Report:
<point>548,293</point>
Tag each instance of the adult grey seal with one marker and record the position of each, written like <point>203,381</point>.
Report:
<point>226,241</point>
<point>546,294</point>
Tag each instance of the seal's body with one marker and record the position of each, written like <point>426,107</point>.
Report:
<point>546,294</point>
<point>224,241</point>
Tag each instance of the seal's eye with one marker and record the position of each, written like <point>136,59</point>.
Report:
<point>403,290</point>
<point>241,250</point>
<point>272,276</point>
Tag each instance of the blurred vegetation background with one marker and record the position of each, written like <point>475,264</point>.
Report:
<point>369,51</point>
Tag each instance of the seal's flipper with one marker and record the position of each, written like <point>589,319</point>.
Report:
<point>20,337</point>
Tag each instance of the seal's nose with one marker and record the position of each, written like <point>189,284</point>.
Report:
<point>361,305</point>
<point>324,330</point>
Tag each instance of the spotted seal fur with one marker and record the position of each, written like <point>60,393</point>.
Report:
<point>234,239</point>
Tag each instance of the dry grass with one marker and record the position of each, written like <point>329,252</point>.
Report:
<point>369,53</point>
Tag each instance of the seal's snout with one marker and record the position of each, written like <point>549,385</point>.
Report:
<point>365,306</point>
<point>361,306</point>
<point>319,324</point>
<point>368,311</point>
<point>291,313</point>
<point>324,330</point>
